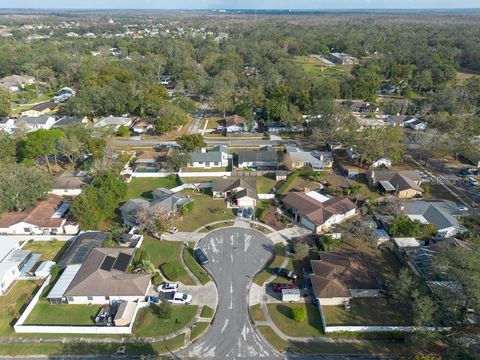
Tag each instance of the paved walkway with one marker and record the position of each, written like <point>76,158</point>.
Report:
<point>183,236</point>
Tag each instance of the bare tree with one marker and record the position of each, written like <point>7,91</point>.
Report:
<point>156,223</point>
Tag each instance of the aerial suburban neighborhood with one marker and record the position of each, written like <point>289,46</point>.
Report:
<point>239,184</point>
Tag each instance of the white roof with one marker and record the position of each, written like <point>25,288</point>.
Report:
<point>7,244</point>
<point>45,266</point>
<point>406,242</point>
<point>420,218</point>
<point>64,282</point>
<point>317,196</point>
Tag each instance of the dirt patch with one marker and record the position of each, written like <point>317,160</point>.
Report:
<point>272,219</point>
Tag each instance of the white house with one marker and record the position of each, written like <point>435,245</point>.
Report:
<point>32,123</point>
<point>216,157</point>
<point>318,212</point>
<point>68,183</point>
<point>15,83</point>
<point>47,217</point>
<point>114,121</point>
<point>7,125</point>
<point>10,267</point>
<point>383,162</point>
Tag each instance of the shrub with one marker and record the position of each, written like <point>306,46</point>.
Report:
<point>163,310</point>
<point>157,279</point>
<point>171,270</point>
<point>299,314</point>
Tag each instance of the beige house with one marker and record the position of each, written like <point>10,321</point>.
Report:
<point>340,276</point>
<point>403,184</point>
<point>244,191</point>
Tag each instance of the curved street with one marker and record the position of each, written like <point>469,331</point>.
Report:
<point>235,255</point>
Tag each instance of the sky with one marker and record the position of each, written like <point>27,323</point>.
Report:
<point>240,4</point>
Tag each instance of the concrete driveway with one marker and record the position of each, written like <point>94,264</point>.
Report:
<point>235,255</point>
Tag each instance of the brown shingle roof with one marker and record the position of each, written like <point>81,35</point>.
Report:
<point>339,272</point>
<point>39,215</point>
<point>235,120</point>
<point>316,211</point>
<point>92,280</point>
<point>400,180</point>
<point>225,185</point>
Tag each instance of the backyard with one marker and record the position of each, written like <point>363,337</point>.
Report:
<point>386,313</point>
<point>143,187</point>
<point>50,250</point>
<point>162,252</point>
<point>45,313</point>
<point>205,210</point>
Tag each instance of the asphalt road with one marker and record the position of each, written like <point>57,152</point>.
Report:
<point>235,255</point>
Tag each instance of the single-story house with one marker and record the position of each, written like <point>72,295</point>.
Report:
<point>68,183</point>
<point>11,263</point>
<point>244,191</point>
<point>164,202</point>
<point>7,125</point>
<point>441,214</point>
<point>32,123</point>
<point>215,157</point>
<point>101,278</point>
<point>14,83</point>
<point>40,109</point>
<point>237,124</point>
<point>47,217</point>
<point>114,121</point>
<point>318,212</point>
<point>80,246</point>
<point>342,58</point>
<point>340,276</point>
<point>147,160</point>
<point>383,162</point>
<point>143,126</point>
<point>403,184</point>
<point>71,120</point>
<point>297,158</point>
<point>399,120</point>
<point>266,157</point>
<point>415,124</point>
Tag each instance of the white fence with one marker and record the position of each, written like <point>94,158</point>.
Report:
<point>38,237</point>
<point>205,174</point>
<point>380,328</point>
<point>66,329</point>
<point>152,174</point>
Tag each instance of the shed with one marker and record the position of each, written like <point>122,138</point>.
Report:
<point>281,175</point>
<point>291,295</point>
<point>125,313</point>
<point>44,269</point>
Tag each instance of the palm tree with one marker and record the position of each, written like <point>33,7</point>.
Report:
<point>328,242</point>
<point>354,190</point>
<point>144,267</point>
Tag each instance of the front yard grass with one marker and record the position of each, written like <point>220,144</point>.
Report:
<point>143,187</point>
<point>282,317</point>
<point>148,324</point>
<point>45,313</point>
<point>386,313</point>
<point>207,312</point>
<point>199,170</point>
<point>50,250</point>
<point>438,192</point>
<point>278,260</point>
<point>256,313</point>
<point>12,304</point>
<point>161,252</point>
<point>198,329</point>
<point>192,264</point>
<point>205,210</point>
<point>276,341</point>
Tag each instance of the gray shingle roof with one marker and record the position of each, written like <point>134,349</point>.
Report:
<point>438,213</point>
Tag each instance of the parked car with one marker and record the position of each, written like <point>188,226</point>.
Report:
<point>472,181</point>
<point>200,256</point>
<point>249,213</point>
<point>239,212</point>
<point>462,208</point>
<point>287,274</point>
<point>180,298</point>
<point>279,287</point>
<point>167,287</point>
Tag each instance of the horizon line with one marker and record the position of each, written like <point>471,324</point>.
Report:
<point>243,9</point>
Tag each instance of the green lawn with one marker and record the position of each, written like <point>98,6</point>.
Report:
<point>192,264</point>
<point>207,312</point>
<point>281,316</point>
<point>199,170</point>
<point>438,192</point>
<point>198,329</point>
<point>143,187</point>
<point>264,184</point>
<point>50,250</point>
<point>46,314</point>
<point>386,313</point>
<point>262,276</point>
<point>205,210</point>
<point>12,304</point>
<point>161,252</point>
<point>149,324</point>
<point>276,341</point>
<point>217,226</point>
<point>256,313</point>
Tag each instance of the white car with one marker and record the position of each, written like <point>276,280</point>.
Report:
<point>180,298</point>
<point>472,181</point>
<point>167,287</point>
<point>462,208</point>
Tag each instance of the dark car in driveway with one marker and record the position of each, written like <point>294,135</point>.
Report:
<point>200,256</point>
<point>287,274</point>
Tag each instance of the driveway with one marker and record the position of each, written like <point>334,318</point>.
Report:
<point>235,255</point>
